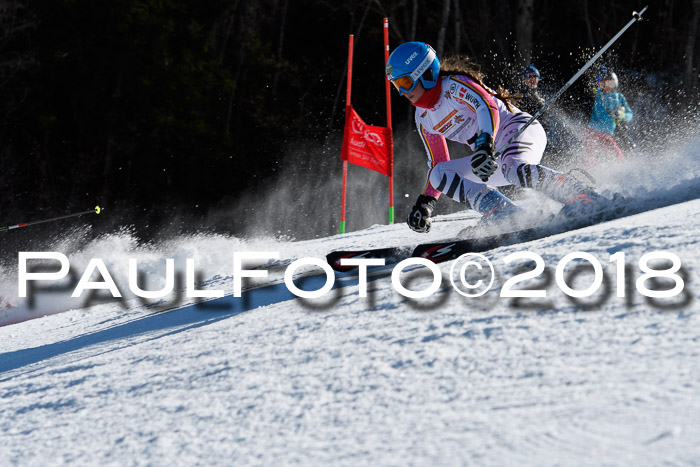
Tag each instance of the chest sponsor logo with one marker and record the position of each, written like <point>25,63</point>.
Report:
<point>456,126</point>
<point>446,127</point>
<point>445,120</point>
<point>452,124</point>
<point>462,93</point>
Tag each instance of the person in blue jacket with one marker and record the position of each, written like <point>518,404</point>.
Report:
<point>610,108</point>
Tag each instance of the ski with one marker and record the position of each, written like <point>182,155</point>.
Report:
<point>391,255</point>
<point>439,252</point>
<point>451,249</point>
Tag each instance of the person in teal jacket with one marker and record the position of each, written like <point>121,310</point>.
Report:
<point>609,110</point>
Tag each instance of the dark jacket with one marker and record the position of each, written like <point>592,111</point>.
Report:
<point>531,103</point>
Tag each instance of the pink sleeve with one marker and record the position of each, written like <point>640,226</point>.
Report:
<point>436,146</point>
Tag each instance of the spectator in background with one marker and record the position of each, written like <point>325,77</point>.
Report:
<point>531,101</point>
<point>610,108</point>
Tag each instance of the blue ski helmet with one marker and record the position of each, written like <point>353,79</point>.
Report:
<point>607,76</point>
<point>412,62</point>
<point>531,70</point>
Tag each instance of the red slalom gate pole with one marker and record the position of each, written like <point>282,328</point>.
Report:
<point>347,115</point>
<point>388,124</point>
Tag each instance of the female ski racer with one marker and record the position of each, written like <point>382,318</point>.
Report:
<point>453,103</point>
<point>610,108</point>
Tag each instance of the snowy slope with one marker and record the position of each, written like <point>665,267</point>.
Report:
<point>345,380</point>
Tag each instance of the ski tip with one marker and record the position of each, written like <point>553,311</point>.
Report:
<point>333,258</point>
<point>389,255</point>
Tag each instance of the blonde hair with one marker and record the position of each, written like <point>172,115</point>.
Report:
<point>462,65</point>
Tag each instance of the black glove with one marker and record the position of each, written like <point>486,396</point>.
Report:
<point>483,162</point>
<point>419,218</point>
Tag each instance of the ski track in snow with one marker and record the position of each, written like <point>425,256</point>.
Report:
<point>345,380</point>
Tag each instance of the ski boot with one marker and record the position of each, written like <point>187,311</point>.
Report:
<point>591,207</point>
<point>496,209</point>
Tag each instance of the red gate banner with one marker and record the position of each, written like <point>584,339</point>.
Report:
<point>366,145</point>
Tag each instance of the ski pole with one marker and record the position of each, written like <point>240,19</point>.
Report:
<point>96,210</point>
<point>635,17</point>
<point>453,219</point>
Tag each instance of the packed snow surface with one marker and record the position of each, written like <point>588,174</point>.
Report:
<point>272,379</point>
<point>342,379</point>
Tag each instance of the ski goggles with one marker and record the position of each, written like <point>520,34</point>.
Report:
<point>404,84</point>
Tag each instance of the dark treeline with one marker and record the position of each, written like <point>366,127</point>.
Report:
<point>155,106</point>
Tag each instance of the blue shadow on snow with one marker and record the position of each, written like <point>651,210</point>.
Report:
<point>181,319</point>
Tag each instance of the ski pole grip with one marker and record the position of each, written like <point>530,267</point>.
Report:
<point>638,15</point>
